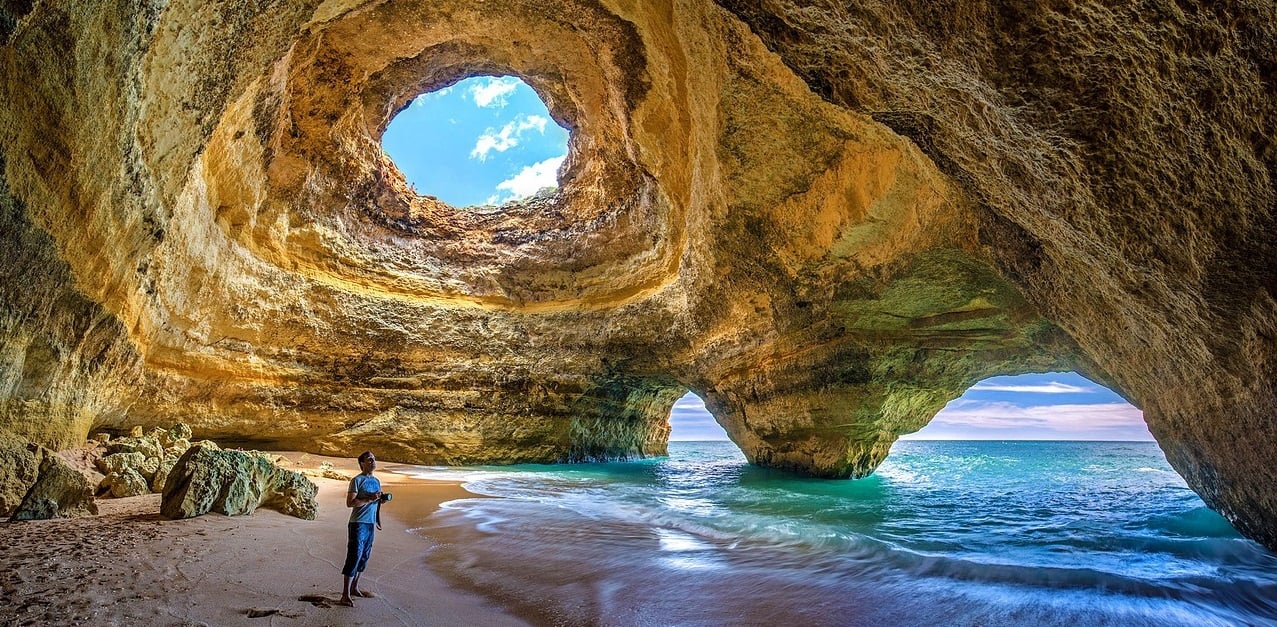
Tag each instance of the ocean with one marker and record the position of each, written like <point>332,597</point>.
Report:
<point>944,533</point>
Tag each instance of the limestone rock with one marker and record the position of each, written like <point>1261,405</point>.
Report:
<point>147,446</point>
<point>327,471</point>
<point>180,432</point>
<point>160,477</point>
<point>149,467</point>
<point>84,460</point>
<point>116,462</point>
<point>125,482</point>
<point>60,492</point>
<point>19,469</point>
<point>234,483</point>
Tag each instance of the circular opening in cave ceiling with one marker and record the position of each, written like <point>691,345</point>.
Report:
<point>483,141</point>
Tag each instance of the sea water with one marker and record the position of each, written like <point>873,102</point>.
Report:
<point>944,533</point>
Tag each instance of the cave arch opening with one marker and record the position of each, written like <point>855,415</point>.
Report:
<point>690,421</point>
<point>1037,406</point>
<point>1050,459</point>
<point>483,141</point>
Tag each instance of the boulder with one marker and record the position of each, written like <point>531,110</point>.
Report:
<point>207,479</point>
<point>175,448</point>
<point>19,469</point>
<point>329,472</point>
<point>126,482</point>
<point>146,445</point>
<point>60,492</point>
<point>179,431</point>
<point>149,467</point>
<point>161,473</point>
<point>116,462</point>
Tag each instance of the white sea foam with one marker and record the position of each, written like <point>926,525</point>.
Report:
<point>1015,530</point>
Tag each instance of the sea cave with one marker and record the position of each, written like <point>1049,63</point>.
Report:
<point>827,220</point>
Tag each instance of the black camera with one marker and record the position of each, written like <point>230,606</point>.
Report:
<point>385,496</point>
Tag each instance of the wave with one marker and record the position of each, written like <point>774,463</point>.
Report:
<point>1049,548</point>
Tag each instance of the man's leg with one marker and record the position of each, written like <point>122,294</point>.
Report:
<point>350,569</point>
<point>365,546</point>
<point>345,592</point>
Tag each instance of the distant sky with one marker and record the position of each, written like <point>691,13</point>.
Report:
<point>1051,406</point>
<point>690,421</point>
<point>485,140</point>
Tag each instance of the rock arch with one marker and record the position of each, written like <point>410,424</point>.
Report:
<point>830,219</point>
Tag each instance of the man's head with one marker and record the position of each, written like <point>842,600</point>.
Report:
<point>367,461</point>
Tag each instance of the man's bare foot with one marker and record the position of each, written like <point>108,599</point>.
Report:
<point>364,593</point>
<point>346,602</point>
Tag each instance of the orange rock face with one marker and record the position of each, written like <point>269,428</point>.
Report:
<point>826,221</point>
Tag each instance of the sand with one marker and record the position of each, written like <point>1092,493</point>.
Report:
<point>130,566</point>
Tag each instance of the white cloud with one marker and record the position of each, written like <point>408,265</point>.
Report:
<point>963,419</point>
<point>1054,387</point>
<point>529,180</point>
<point>420,101</point>
<point>690,401</point>
<point>494,92</point>
<point>690,421</point>
<point>508,137</point>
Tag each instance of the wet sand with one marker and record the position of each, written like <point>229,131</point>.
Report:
<point>130,566</point>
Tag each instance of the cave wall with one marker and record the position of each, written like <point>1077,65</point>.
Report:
<point>67,363</point>
<point>826,219</point>
<point>1122,162</point>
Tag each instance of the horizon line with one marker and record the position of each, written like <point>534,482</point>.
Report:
<point>971,440</point>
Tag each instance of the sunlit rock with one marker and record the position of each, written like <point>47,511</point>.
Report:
<point>208,479</point>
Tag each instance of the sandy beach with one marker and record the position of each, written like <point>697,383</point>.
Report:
<point>130,566</point>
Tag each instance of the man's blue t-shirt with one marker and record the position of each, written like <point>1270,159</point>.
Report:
<point>363,486</point>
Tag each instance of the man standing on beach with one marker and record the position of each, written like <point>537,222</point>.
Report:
<point>364,497</point>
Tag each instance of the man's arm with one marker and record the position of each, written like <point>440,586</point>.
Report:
<point>353,500</point>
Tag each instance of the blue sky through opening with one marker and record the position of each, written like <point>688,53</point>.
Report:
<point>1047,406</point>
<point>483,141</point>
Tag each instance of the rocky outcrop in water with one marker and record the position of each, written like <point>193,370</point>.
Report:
<point>826,219</point>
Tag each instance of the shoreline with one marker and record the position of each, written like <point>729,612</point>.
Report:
<point>129,565</point>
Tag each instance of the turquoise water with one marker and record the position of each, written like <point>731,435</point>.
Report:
<point>944,533</point>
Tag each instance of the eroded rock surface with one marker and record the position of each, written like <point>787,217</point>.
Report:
<point>19,469</point>
<point>827,219</point>
<point>60,492</point>
<point>208,479</point>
